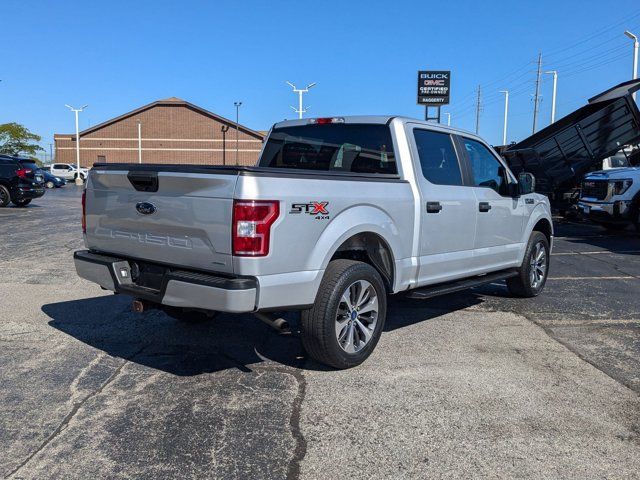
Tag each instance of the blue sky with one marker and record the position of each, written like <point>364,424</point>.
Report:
<point>363,55</point>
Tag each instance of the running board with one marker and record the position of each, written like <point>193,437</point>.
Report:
<point>457,285</point>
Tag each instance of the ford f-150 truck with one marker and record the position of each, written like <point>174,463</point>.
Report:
<point>338,213</point>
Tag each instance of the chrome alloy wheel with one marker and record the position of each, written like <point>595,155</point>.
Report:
<point>538,264</point>
<point>357,316</point>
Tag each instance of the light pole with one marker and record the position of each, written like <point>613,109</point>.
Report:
<point>224,129</point>
<point>634,73</point>
<point>506,115</point>
<point>76,111</point>
<point>448,118</point>
<point>237,104</point>
<point>553,96</point>
<point>139,141</point>
<point>300,91</point>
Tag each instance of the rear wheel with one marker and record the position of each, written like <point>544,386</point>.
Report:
<point>532,274</point>
<point>49,184</point>
<point>346,321</point>
<point>5,196</point>
<point>22,203</point>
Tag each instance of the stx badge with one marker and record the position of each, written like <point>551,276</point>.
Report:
<point>318,209</point>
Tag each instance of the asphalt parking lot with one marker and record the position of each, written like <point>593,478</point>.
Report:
<point>475,384</point>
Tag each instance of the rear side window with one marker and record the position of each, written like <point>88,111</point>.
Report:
<point>339,147</point>
<point>438,158</point>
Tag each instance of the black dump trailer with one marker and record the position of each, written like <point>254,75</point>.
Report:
<point>562,153</point>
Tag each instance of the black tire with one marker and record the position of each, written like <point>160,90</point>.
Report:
<point>21,203</point>
<point>5,196</point>
<point>189,316</point>
<point>319,324</point>
<point>50,184</point>
<point>522,284</point>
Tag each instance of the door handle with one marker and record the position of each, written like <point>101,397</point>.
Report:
<point>484,206</point>
<point>433,207</point>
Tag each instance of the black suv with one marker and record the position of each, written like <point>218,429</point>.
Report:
<point>20,181</point>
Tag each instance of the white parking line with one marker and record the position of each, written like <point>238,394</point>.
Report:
<point>622,277</point>
<point>598,252</point>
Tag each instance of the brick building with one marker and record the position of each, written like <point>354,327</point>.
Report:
<point>172,131</point>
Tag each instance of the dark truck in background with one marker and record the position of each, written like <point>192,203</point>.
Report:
<point>560,155</point>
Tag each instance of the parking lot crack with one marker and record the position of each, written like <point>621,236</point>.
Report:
<point>74,410</point>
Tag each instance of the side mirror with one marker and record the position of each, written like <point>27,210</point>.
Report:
<point>526,183</point>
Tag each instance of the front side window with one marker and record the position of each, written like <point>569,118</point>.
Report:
<point>486,169</point>
<point>356,148</point>
<point>438,158</point>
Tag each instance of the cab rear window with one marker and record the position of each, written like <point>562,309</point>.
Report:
<point>355,148</point>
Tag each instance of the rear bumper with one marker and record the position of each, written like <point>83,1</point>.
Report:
<point>28,192</point>
<point>179,288</point>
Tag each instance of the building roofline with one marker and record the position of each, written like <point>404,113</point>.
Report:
<point>168,101</point>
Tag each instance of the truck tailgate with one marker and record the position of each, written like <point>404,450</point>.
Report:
<point>176,218</point>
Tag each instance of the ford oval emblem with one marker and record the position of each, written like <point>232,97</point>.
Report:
<point>145,208</point>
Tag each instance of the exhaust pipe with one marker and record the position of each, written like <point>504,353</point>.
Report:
<point>140,306</point>
<point>277,323</point>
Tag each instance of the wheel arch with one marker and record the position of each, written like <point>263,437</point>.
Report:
<point>365,232</point>
<point>370,248</point>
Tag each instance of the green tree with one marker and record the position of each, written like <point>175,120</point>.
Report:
<point>16,139</point>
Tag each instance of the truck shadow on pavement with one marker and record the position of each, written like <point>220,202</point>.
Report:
<point>226,342</point>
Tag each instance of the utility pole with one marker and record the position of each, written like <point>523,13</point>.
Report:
<point>300,91</point>
<point>139,141</point>
<point>76,111</point>
<point>506,115</point>
<point>237,104</point>
<point>634,73</point>
<point>478,108</point>
<point>553,96</point>
<point>51,153</point>
<point>536,98</point>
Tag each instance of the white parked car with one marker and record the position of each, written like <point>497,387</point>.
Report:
<point>68,171</point>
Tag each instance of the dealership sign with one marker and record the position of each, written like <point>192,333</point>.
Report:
<point>433,87</point>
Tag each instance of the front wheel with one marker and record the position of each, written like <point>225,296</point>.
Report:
<point>50,184</point>
<point>346,321</point>
<point>532,274</point>
<point>22,203</point>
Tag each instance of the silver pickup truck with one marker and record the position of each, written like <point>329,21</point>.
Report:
<point>338,213</point>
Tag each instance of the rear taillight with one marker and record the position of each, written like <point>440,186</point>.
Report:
<point>84,211</point>
<point>252,220</point>
<point>22,173</point>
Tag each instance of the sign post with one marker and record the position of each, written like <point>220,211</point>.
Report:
<point>433,90</point>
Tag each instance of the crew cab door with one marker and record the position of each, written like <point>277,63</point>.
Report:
<point>499,215</point>
<point>448,208</point>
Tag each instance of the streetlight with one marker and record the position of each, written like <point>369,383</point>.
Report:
<point>300,92</point>
<point>76,111</point>
<point>634,73</point>
<point>448,118</point>
<point>237,104</point>
<point>553,97</point>
<point>139,141</point>
<point>224,129</point>
<point>506,115</point>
